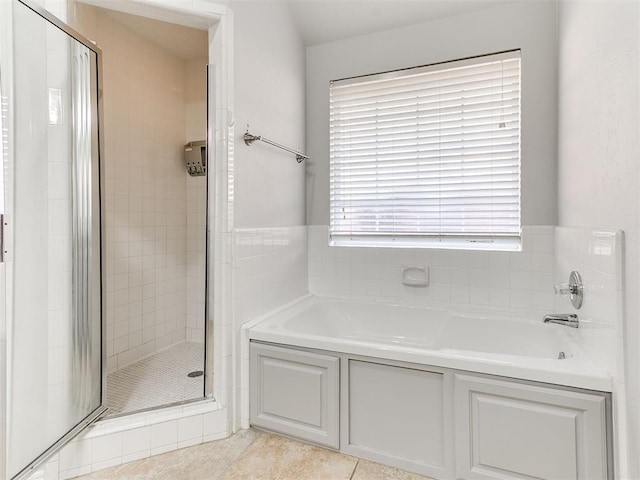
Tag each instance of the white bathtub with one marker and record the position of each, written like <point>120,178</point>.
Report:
<point>485,342</point>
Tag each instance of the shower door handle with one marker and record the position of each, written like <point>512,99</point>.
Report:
<point>4,238</point>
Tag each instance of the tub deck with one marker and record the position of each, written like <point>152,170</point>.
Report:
<point>494,343</point>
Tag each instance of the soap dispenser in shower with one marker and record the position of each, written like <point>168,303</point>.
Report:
<point>195,158</point>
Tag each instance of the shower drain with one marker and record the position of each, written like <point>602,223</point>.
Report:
<point>195,373</point>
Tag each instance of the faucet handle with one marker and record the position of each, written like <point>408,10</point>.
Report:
<point>563,289</point>
<point>573,289</point>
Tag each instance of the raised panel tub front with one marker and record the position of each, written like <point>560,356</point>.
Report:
<point>515,430</point>
<point>295,393</point>
<point>400,416</point>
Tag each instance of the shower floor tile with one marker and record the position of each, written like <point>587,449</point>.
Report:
<point>157,380</point>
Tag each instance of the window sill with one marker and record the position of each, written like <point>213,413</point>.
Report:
<point>495,245</point>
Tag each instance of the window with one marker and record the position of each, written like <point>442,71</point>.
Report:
<point>428,156</point>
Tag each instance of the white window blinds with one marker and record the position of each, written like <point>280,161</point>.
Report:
<point>428,155</point>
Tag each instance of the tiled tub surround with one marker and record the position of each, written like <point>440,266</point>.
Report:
<point>519,282</point>
<point>480,315</point>
<point>598,255</point>
<point>269,269</point>
<point>512,281</point>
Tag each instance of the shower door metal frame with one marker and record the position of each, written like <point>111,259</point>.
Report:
<point>98,116</point>
<point>208,255</point>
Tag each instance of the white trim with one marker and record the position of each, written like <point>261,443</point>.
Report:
<point>507,244</point>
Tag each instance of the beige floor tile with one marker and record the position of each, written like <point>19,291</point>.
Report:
<point>367,470</point>
<point>253,455</point>
<point>272,457</point>
<point>201,462</point>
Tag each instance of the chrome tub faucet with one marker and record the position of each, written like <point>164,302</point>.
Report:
<point>566,319</point>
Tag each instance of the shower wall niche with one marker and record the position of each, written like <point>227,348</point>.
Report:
<point>154,102</point>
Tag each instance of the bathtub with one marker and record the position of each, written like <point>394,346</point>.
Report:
<point>487,342</point>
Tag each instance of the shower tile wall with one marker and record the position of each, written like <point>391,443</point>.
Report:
<point>516,281</point>
<point>196,249</point>
<point>196,115</point>
<point>146,191</point>
<point>598,255</point>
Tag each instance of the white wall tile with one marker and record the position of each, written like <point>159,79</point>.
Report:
<point>163,434</point>
<point>596,255</point>
<point>137,440</point>
<point>504,280</point>
<point>190,428</point>
<point>106,447</point>
<point>269,269</point>
<point>52,470</point>
<point>213,423</point>
<point>75,455</point>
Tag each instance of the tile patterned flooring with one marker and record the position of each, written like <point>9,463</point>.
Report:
<point>157,380</point>
<point>253,455</point>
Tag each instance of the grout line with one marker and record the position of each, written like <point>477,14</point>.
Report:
<point>354,469</point>
<point>239,454</point>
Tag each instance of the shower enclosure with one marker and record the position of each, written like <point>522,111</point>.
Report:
<point>155,97</point>
<point>55,353</point>
<point>105,238</point>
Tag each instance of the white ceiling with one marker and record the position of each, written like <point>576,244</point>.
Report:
<point>184,42</point>
<point>322,21</point>
<point>318,21</point>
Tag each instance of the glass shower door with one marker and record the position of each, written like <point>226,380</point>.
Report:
<point>55,339</point>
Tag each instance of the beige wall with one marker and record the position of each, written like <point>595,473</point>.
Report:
<point>196,99</point>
